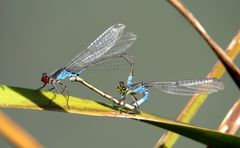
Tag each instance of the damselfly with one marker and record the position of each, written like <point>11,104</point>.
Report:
<point>181,87</point>
<point>109,48</point>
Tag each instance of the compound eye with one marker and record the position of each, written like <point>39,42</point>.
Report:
<point>45,79</point>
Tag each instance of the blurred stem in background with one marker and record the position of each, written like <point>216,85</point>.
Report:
<point>189,111</point>
<point>231,68</point>
<point>15,134</point>
<point>231,124</point>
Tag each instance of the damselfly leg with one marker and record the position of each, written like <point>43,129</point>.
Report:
<point>41,87</point>
<point>109,48</point>
<point>55,90</point>
<point>135,99</point>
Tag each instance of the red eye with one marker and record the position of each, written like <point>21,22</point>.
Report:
<point>45,78</point>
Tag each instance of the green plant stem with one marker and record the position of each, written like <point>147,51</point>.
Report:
<point>22,98</point>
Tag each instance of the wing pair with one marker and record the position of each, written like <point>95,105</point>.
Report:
<point>109,48</point>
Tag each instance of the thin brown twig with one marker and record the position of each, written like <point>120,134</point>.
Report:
<point>168,139</point>
<point>187,114</point>
<point>15,134</point>
<point>231,124</point>
<point>227,62</point>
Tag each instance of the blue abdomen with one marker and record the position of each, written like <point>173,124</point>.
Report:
<point>140,89</point>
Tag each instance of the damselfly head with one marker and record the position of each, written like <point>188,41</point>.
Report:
<point>45,78</point>
<point>122,87</point>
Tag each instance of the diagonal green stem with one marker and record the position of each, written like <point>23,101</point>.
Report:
<point>15,97</point>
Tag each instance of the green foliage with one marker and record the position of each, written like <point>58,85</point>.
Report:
<point>15,97</point>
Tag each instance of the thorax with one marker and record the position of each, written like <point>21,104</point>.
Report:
<point>61,74</point>
<point>138,87</point>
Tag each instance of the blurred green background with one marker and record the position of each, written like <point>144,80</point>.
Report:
<point>40,36</point>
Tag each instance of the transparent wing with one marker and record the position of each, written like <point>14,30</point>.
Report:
<point>121,46</point>
<point>188,87</point>
<point>116,56</point>
<point>111,63</point>
<point>97,48</point>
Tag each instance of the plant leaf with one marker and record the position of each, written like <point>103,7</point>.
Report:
<point>15,97</point>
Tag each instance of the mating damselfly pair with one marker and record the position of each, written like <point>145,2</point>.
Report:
<point>111,48</point>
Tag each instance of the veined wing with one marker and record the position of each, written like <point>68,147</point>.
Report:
<point>112,62</point>
<point>117,55</point>
<point>121,46</point>
<point>188,87</point>
<point>97,48</point>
